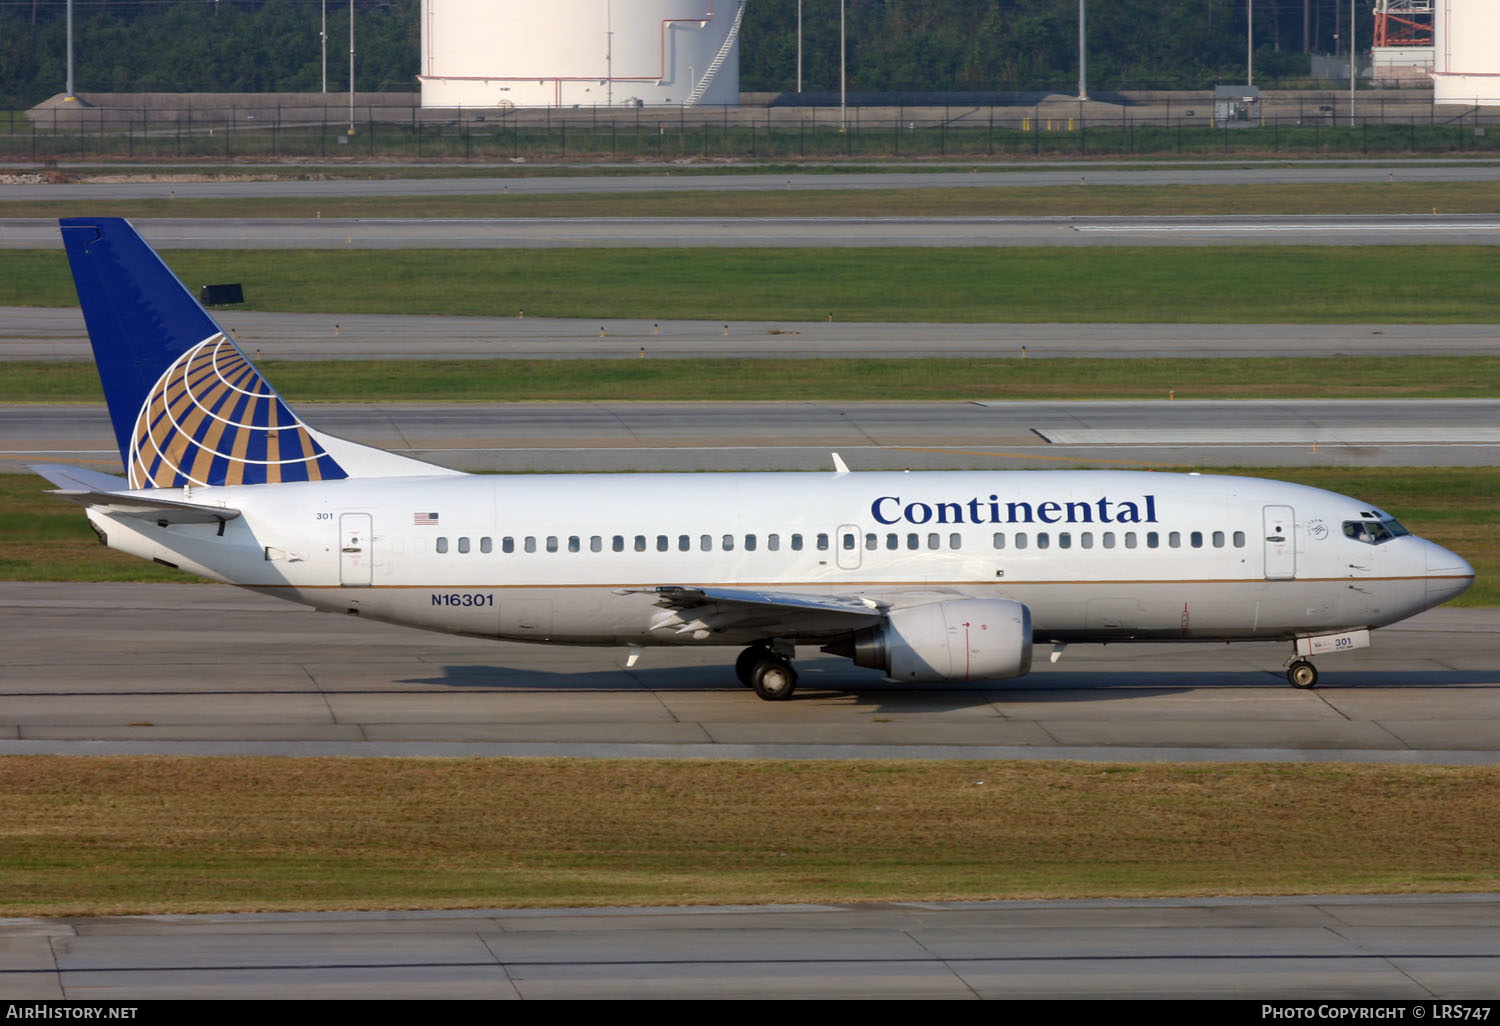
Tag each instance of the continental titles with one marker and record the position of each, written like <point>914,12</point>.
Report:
<point>894,509</point>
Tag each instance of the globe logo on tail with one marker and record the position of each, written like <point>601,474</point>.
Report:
<point>211,419</point>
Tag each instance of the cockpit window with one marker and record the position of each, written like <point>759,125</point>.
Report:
<point>1373,532</point>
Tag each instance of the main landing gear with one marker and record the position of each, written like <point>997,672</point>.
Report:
<point>768,670</point>
<point>1300,673</point>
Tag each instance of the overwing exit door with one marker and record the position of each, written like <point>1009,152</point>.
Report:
<point>847,543</point>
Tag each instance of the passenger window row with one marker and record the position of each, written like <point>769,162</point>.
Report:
<point>892,541</point>
<point>640,543</point>
<point>1107,539</point>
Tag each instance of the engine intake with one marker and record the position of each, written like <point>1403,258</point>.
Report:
<point>966,639</point>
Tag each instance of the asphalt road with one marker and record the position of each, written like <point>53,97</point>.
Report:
<point>657,436</point>
<point>1404,948</point>
<point>524,233</point>
<point>57,333</point>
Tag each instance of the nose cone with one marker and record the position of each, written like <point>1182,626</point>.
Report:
<point>1448,574</point>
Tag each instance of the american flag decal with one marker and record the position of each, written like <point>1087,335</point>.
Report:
<point>424,519</point>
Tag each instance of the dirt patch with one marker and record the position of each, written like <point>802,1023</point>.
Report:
<point>192,176</point>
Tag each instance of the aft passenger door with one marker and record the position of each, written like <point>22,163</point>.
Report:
<point>1281,543</point>
<point>356,550</point>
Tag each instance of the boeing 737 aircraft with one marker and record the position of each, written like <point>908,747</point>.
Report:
<point>930,576</point>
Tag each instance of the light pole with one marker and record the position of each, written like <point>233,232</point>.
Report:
<point>351,67</point>
<point>1250,41</point>
<point>323,37</point>
<point>1353,35</point>
<point>843,73</point>
<point>70,95</point>
<point>799,47</point>
<point>1083,57</point>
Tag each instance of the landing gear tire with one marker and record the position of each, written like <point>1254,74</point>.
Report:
<point>1302,674</point>
<point>744,666</point>
<point>773,679</point>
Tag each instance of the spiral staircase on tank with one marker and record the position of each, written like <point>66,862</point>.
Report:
<point>701,86</point>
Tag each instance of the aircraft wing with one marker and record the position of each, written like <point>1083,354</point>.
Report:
<point>94,490</point>
<point>704,610</point>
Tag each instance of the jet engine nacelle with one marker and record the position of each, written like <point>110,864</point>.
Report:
<point>966,639</point>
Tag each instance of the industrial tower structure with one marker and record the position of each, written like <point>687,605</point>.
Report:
<point>1403,40</point>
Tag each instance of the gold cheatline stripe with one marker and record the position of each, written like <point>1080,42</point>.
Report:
<point>856,584</point>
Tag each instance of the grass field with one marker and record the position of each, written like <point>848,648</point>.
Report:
<point>46,539</point>
<point>100,835</point>
<point>990,201</point>
<point>1147,284</point>
<point>1390,377</point>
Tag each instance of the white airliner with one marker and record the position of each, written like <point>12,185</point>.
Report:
<point>931,576</point>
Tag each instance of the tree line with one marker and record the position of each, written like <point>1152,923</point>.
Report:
<point>892,45</point>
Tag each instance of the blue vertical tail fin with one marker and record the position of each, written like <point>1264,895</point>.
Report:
<point>188,408</point>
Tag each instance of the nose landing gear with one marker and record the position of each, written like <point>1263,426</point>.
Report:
<point>1302,674</point>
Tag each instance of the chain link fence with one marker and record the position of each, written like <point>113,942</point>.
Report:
<point>1319,125</point>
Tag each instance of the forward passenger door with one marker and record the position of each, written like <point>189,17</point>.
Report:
<point>1281,543</point>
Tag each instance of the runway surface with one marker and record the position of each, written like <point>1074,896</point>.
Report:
<point>682,179</point>
<point>657,436</point>
<point>57,333</point>
<point>206,669</point>
<point>1325,949</point>
<point>547,232</point>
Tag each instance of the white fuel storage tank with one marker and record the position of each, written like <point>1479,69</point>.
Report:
<point>564,53</point>
<point>1466,57</point>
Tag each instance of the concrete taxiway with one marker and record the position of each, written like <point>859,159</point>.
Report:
<point>44,333</point>
<point>546,232</point>
<point>681,178</point>
<point>656,436</point>
<point>204,669</point>
<point>1327,948</point>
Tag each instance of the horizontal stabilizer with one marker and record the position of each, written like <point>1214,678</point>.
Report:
<point>94,490</point>
<point>79,479</point>
<point>160,511</point>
